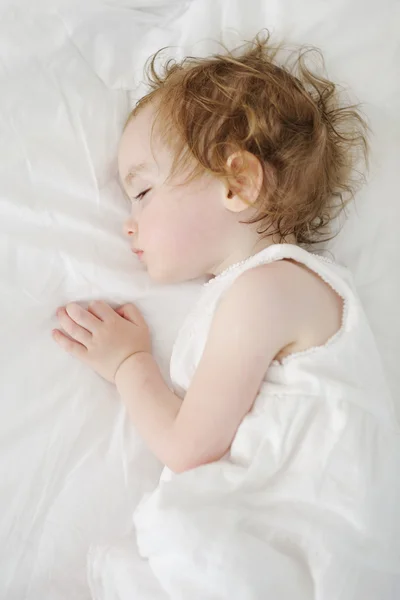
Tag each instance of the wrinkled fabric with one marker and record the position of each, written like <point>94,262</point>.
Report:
<point>72,467</point>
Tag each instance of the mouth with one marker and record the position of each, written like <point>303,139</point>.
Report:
<point>138,253</point>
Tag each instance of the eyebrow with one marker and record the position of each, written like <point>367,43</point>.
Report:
<point>133,171</point>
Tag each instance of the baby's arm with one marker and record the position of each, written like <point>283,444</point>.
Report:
<point>254,321</point>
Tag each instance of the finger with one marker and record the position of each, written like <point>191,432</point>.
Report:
<point>70,346</point>
<point>77,332</point>
<point>131,313</point>
<point>121,311</point>
<point>81,316</point>
<point>101,310</point>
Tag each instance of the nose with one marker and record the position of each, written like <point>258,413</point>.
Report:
<point>130,227</point>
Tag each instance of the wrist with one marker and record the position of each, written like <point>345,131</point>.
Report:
<point>128,364</point>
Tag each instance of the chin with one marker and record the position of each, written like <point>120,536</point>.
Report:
<point>160,276</point>
<point>166,277</point>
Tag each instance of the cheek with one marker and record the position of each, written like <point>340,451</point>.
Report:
<point>168,246</point>
<point>174,236</point>
<point>159,229</point>
<point>168,226</point>
<point>186,227</point>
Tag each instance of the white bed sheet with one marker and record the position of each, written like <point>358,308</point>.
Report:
<point>71,466</point>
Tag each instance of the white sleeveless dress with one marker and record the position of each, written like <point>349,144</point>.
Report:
<point>306,504</point>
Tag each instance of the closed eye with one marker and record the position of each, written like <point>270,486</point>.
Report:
<point>142,194</point>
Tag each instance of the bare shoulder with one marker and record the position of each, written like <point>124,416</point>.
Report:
<point>306,306</point>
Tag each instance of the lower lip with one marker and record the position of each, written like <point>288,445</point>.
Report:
<point>139,254</point>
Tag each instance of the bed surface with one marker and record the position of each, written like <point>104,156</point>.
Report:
<point>71,466</point>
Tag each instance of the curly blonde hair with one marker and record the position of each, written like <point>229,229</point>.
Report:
<point>287,116</point>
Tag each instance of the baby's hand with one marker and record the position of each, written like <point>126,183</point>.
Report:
<point>103,337</point>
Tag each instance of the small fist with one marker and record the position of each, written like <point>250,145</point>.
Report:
<point>102,337</point>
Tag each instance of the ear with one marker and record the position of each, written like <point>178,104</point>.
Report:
<point>244,185</point>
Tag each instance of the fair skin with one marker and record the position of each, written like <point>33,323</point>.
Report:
<point>188,230</point>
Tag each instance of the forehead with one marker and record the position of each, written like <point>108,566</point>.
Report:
<point>137,146</point>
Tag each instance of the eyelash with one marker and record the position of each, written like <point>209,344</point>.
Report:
<point>142,194</point>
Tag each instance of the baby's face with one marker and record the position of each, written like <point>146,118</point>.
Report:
<point>180,227</point>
